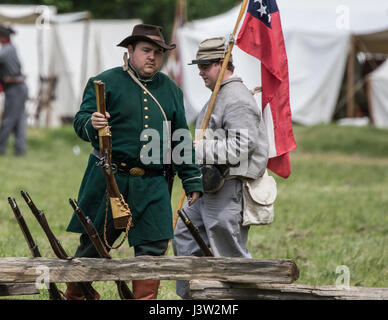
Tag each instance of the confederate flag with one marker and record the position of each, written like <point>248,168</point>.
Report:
<point>261,36</point>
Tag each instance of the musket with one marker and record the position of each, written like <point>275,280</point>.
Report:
<point>195,233</point>
<point>54,293</point>
<point>86,288</point>
<point>124,292</point>
<point>122,216</point>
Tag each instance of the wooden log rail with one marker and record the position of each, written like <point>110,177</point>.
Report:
<point>210,277</point>
<point>26,270</point>
<point>203,290</point>
<point>16,289</point>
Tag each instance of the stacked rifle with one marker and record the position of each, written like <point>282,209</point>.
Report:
<point>86,288</point>
<point>122,216</point>
<point>54,293</point>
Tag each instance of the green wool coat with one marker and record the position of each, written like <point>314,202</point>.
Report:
<point>132,110</point>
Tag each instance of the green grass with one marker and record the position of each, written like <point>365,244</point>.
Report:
<point>331,211</point>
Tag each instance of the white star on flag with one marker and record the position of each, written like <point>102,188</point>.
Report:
<point>262,10</point>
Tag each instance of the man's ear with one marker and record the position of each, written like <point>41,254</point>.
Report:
<point>130,50</point>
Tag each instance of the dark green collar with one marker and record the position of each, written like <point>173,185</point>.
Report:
<point>148,80</point>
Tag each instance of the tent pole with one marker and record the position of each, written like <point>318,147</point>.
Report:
<point>39,48</point>
<point>369,98</point>
<point>350,80</point>
<point>85,52</point>
<point>173,60</point>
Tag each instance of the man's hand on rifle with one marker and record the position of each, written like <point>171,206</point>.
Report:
<point>193,196</point>
<point>100,121</point>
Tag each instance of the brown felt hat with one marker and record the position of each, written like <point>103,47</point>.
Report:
<point>149,33</point>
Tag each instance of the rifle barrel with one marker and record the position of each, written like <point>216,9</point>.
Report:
<point>124,291</point>
<point>40,216</point>
<point>195,233</point>
<point>32,245</point>
<point>90,230</point>
<point>59,251</point>
<point>54,293</point>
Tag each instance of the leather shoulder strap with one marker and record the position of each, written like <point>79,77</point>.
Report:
<point>134,78</point>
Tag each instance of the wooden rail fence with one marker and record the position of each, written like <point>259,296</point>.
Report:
<point>16,289</point>
<point>27,270</point>
<point>210,277</point>
<point>249,291</point>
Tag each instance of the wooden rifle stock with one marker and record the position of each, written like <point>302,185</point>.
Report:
<point>86,288</point>
<point>54,293</point>
<point>122,216</point>
<point>195,233</point>
<point>124,292</point>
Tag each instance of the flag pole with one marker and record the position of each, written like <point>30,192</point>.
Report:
<point>222,72</point>
<point>213,97</point>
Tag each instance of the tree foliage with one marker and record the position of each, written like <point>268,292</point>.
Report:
<point>160,12</point>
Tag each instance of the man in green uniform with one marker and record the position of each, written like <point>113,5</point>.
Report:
<point>137,121</point>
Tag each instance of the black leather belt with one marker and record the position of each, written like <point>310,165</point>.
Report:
<point>136,171</point>
<point>133,171</point>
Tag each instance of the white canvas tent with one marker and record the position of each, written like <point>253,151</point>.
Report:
<point>378,84</point>
<point>71,47</point>
<point>318,40</point>
<point>101,54</point>
<point>32,43</point>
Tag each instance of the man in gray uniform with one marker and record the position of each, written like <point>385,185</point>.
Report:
<point>15,90</point>
<point>235,140</point>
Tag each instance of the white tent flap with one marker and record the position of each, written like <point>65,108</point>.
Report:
<point>69,47</point>
<point>317,36</point>
<point>378,81</point>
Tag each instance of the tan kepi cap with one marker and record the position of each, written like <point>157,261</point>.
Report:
<point>211,50</point>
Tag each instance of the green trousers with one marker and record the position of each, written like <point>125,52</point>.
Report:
<point>86,248</point>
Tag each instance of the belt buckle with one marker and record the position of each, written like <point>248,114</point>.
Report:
<point>137,172</point>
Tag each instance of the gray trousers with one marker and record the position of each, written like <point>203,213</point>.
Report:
<point>14,118</point>
<point>218,218</point>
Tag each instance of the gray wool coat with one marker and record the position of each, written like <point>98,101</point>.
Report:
<point>236,133</point>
